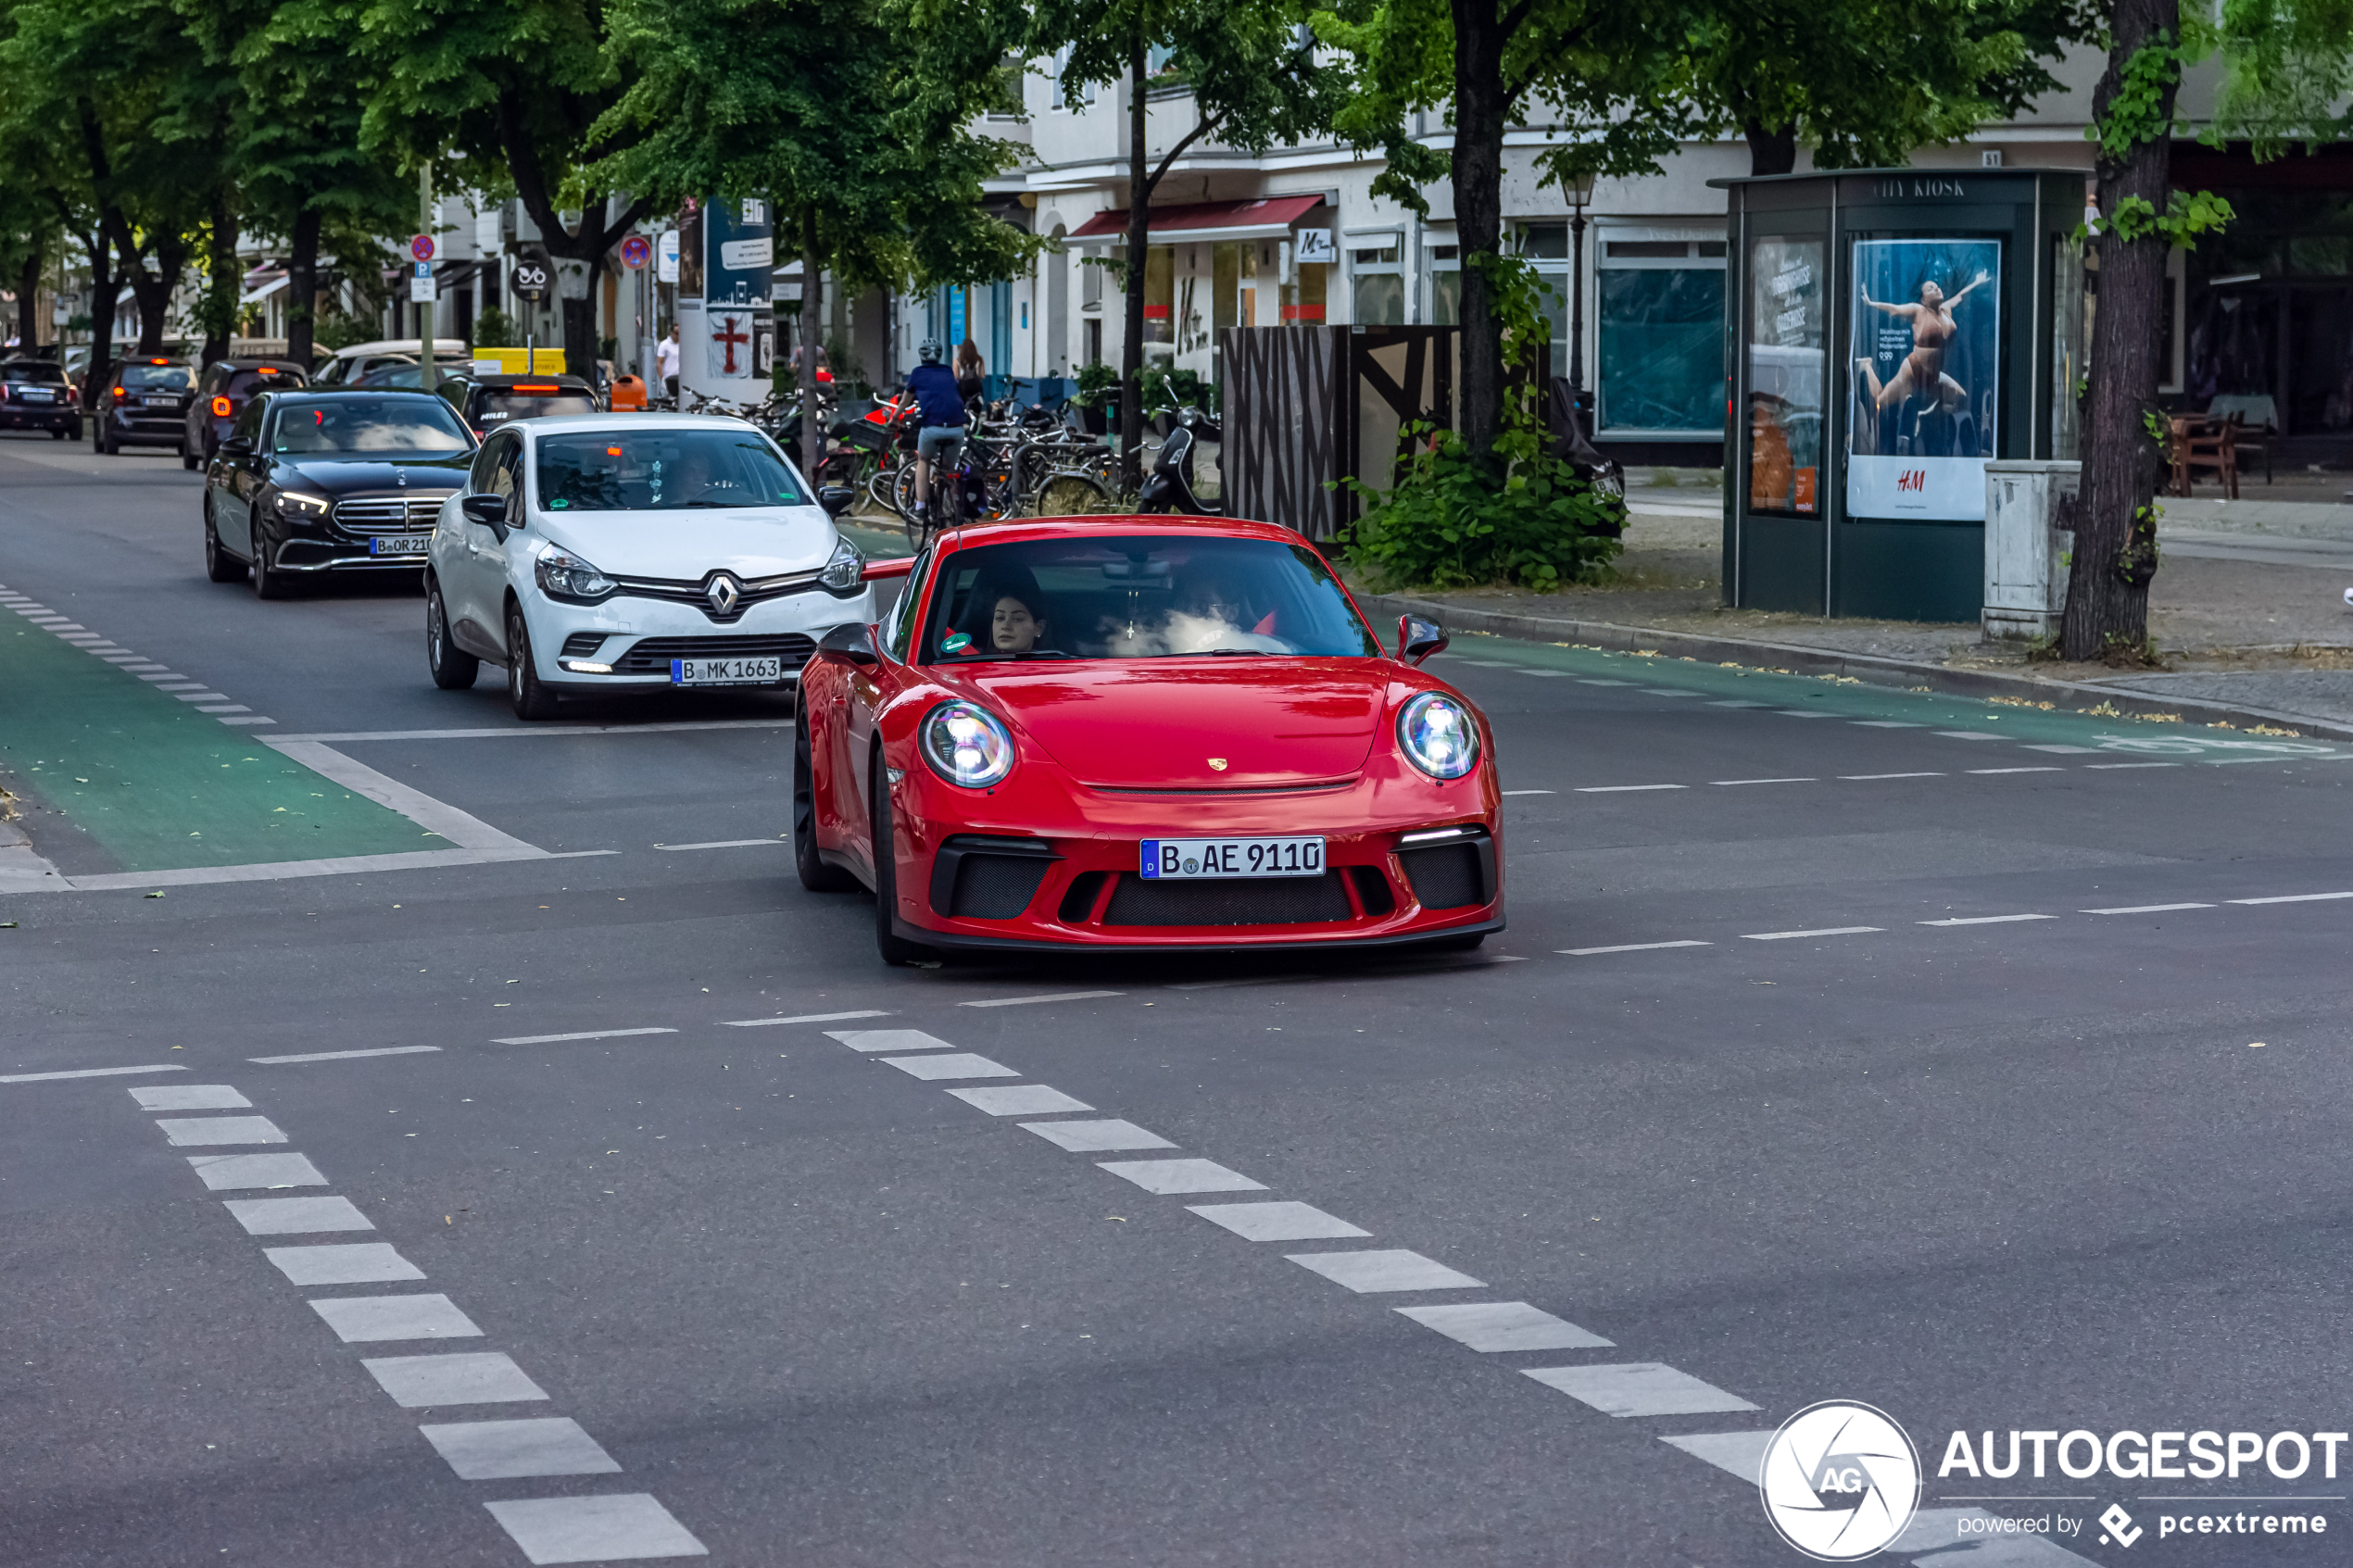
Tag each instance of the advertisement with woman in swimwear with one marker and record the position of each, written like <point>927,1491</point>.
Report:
<point>1926,378</point>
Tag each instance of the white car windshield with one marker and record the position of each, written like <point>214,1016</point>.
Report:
<point>368,427</point>
<point>662,471</point>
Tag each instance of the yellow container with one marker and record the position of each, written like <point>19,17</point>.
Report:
<point>545,361</point>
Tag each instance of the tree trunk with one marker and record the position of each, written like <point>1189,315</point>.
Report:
<point>1479,113</point>
<point>1139,223</point>
<point>302,288</point>
<point>224,285</point>
<point>102,291</point>
<point>1770,152</point>
<point>153,290</point>
<point>812,426</point>
<point>2115,531</point>
<point>27,286</point>
<point>580,327</point>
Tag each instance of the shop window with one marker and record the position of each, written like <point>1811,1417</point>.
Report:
<point>1376,280</point>
<point>1159,295</point>
<point>1658,354</point>
<point>1445,269</point>
<point>1786,350</point>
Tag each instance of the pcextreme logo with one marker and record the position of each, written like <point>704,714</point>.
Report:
<point>1840,1481</point>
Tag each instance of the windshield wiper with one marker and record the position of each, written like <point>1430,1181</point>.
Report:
<point>1236,653</point>
<point>1000,658</point>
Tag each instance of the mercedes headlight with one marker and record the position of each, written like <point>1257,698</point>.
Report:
<point>846,571</point>
<point>966,745</point>
<point>1438,735</point>
<point>566,576</point>
<point>310,508</point>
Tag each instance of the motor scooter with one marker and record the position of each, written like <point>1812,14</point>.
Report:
<point>1169,487</point>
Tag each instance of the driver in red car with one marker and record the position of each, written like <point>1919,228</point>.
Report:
<point>1014,624</point>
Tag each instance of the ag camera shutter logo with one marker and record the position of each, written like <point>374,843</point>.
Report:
<point>1840,1481</point>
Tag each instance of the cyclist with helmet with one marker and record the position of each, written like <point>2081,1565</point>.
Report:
<point>941,432</point>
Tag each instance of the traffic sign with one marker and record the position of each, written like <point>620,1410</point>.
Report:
<point>635,251</point>
<point>422,247</point>
<point>530,280</point>
<point>420,285</point>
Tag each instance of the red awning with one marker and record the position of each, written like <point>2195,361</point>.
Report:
<point>1267,217</point>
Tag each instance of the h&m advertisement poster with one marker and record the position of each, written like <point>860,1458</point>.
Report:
<point>1927,378</point>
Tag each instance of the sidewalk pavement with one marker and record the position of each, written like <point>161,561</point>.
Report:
<point>2247,608</point>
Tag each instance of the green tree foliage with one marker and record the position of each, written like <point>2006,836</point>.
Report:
<point>851,116</point>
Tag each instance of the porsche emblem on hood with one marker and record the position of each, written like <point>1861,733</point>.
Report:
<point>1217,764</point>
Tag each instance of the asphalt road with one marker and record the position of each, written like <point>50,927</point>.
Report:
<point>1982,1064</point>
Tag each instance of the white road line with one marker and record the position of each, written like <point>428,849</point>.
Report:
<point>1020,1099</point>
<point>1800,713</point>
<point>1096,1137</point>
<point>2065,750</point>
<point>1278,1221</point>
<point>1790,935</point>
<point>1047,996</point>
<point>727,844</point>
<point>1666,691</point>
<point>1549,674</point>
<point>1968,734</point>
<point>190,1097</point>
<point>583,1034</point>
<point>297,1216</point>
<point>231,708</point>
<point>2292,898</point>
<point>502,1450</point>
<point>350,1263</point>
<point>1625,789</point>
<point>482,1377</point>
<point>614,1528</point>
<point>1739,702</point>
<point>203,697</point>
<point>197,1132</point>
<point>345,865</point>
<point>1512,792</point>
<point>534,732</point>
<point>1169,1177</point>
<point>2110,767</point>
<point>88,1073</point>
<point>1629,948</point>
<point>1721,783</point>
<point>1370,1272</point>
<point>2046,770</point>
<point>359,1319</point>
<point>342,1056</point>
<point>1885,724</point>
<point>1986,920</point>
<point>1506,1325</point>
<point>230,1172</point>
<point>251,719</point>
<point>1639,1388</point>
<point>956,1064</point>
<point>2145,910</point>
<point>805,1018</point>
<point>461,828</point>
<point>1742,1453</point>
<point>1588,681</point>
<point>888,1039</point>
<point>1860,777</point>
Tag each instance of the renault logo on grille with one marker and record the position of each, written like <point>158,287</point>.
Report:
<point>724,594</point>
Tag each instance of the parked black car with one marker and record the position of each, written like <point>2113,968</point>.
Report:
<point>484,402</point>
<point>143,403</point>
<point>222,396</point>
<point>311,481</point>
<point>34,394</point>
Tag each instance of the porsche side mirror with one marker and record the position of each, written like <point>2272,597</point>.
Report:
<point>489,510</point>
<point>836,499</point>
<point>853,643</point>
<point>1418,639</point>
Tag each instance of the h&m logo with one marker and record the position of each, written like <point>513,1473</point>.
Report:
<point>1916,187</point>
<point>1912,479</point>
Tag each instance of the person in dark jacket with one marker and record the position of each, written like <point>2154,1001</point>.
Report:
<point>941,433</point>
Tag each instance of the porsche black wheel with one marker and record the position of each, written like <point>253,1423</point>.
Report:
<point>895,950</point>
<point>817,874</point>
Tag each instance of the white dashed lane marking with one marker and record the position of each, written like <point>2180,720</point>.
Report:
<point>1986,920</point>
<point>297,1216</point>
<point>1858,777</point>
<point>888,1039</point>
<point>1793,935</point>
<point>194,1133</point>
<point>2293,898</point>
<point>1629,948</point>
<point>353,1262</point>
<point>1639,1388</point>
<point>1023,1099</point>
<point>504,1451</point>
<point>1177,1176</point>
<point>1742,1453</point>
<point>1626,789</point>
<point>805,1018</point>
<point>1385,1268</point>
<point>582,1034</point>
<point>1722,783</point>
<point>162,677</point>
<point>2046,770</point>
<point>190,1097</point>
<point>1512,792</point>
<point>232,1172</point>
<point>88,1073</point>
<point>958,1064</point>
<point>1095,1138</point>
<point>344,1056</point>
<point>1278,1221</point>
<point>622,1527</point>
<point>727,844</point>
<point>1048,997</point>
<point>1506,1325</point>
<point>481,1377</point>
<point>358,1319</point>
<point>2146,909</point>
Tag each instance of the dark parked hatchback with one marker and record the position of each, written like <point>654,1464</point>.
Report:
<point>34,394</point>
<point>316,482</point>
<point>222,396</point>
<point>488,401</point>
<point>145,403</point>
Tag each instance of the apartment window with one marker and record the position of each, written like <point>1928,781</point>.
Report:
<point>1444,266</point>
<point>1377,279</point>
<point>1658,357</point>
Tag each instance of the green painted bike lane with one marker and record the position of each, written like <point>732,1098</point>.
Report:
<point>158,787</point>
<point>2011,718</point>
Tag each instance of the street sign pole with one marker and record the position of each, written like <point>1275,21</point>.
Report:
<point>426,378</point>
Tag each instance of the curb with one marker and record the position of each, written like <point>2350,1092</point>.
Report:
<point>1874,668</point>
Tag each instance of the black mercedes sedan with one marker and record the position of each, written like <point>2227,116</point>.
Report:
<point>314,482</point>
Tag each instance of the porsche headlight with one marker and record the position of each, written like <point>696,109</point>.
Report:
<point>565,576</point>
<point>846,571</point>
<point>966,745</point>
<point>1438,735</point>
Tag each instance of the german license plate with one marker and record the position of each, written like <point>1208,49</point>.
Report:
<point>726,671</point>
<point>160,402</point>
<point>37,394</point>
<point>401,545</point>
<point>1198,860</point>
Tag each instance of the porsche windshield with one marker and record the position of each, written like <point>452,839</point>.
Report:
<point>1146,597</point>
<point>369,428</point>
<point>662,469</point>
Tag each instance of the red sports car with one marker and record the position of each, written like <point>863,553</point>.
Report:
<point>1169,733</point>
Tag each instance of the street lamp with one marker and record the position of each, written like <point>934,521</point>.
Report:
<point>1581,191</point>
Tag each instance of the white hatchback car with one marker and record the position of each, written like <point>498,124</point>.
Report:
<point>596,553</point>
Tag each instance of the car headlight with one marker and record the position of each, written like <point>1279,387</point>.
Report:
<point>846,571</point>
<point>1438,735</point>
<point>565,576</point>
<point>966,745</point>
<point>311,508</point>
